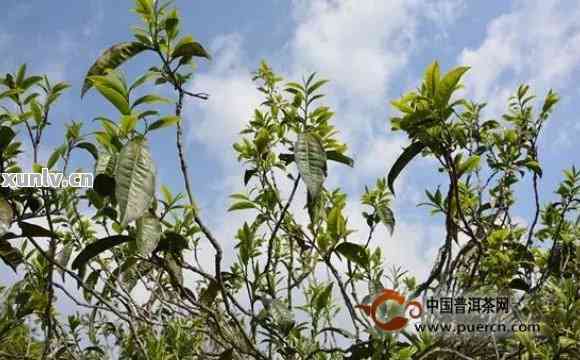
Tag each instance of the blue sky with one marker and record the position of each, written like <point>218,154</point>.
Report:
<point>372,51</point>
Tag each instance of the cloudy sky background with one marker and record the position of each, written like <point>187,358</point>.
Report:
<point>372,51</point>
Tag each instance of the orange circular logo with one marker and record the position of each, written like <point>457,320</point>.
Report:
<point>397,322</point>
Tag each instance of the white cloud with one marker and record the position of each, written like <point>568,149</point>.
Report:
<point>386,149</point>
<point>232,101</point>
<point>360,46</point>
<point>94,24</point>
<point>444,13</point>
<point>538,43</point>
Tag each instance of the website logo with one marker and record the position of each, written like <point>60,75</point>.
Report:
<point>395,311</point>
<point>46,179</point>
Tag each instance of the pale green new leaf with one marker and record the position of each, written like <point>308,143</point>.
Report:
<point>143,79</point>
<point>432,77</point>
<point>115,98</point>
<point>242,205</point>
<point>164,122</point>
<point>135,180</point>
<point>128,123</point>
<point>113,80</point>
<point>20,74</point>
<point>144,7</point>
<point>56,155</point>
<point>311,161</point>
<point>469,165</point>
<point>534,166</point>
<point>151,99</point>
<point>448,85</point>
<point>148,234</point>
<point>323,298</point>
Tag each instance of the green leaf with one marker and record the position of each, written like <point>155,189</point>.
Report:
<point>551,99</point>
<point>145,7</point>
<point>340,158</point>
<point>207,296</point>
<point>10,93</point>
<point>172,242</point>
<point>55,156</point>
<point>242,205</point>
<point>187,47</point>
<point>135,180</point>
<point>408,154</point>
<point>90,283</point>
<point>248,175</point>
<point>316,86</point>
<point>432,76</point>
<point>361,351</point>
<point>262,140</point>
<point>111,59</point>
<point>387,217</point>
<point>128,123</point>
<point>104,185</point>
<point>6,136</point>
<point>323,298</point>
<point>36,112</point>
<point>6,216</point>
<point>95,349</point>
<point>96,248</point>
<point>148,234</point>
<point>448,85</point>
<point>353,252</point>
<point>311,161</point>
<point>174,270</point>
<point>164,122</point>
<point>20,74</point>
<point>147,113</point>
<point>469,165</point>
<point>534,166</point>
<point>167,195</point>
<point>227,355</point>
<point>151,99</point>
<point>27,83</point>
<point>92,149</point>
<point>113,80</point>
<point>33,230</point>
<point>11,256</point>
<point>143,79</point>
<point>172,24</point>
<point>519,284</point>
<point>286,158</point>
<point>115,98</point>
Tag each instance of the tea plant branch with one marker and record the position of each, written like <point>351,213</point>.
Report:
<point>354,317</point>
<point>80,281</point>
<point>49,277</point>
<point>275,231</point>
